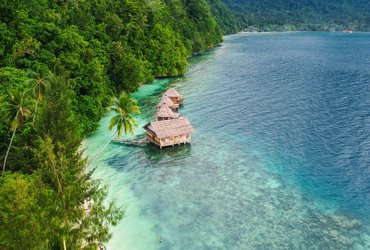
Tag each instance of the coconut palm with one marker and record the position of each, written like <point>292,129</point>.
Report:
<point>37,82</point>
<point>124,107</point>
<point>17,110</point>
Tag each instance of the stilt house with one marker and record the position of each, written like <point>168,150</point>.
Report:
<point>167,102</point>
<point>175,96</point>
<point>165,113</point>
<point>169,132</point>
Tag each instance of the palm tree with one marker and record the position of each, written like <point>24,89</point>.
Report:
<point>18,112</point>
<point>37,83</point>
<point>124,106</point>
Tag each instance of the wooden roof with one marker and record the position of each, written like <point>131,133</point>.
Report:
<point>172,93</point>
<point>168,128</point>
<point>165,101</point>
<point>165,111</point>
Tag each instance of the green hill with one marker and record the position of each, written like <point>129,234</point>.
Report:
<point>105,47</point>
<point>278,15</point>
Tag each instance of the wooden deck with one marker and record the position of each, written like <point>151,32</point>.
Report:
<point>173,142</point>
<point>132,142</point>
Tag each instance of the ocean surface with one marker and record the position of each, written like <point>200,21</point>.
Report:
<point>280,157</point>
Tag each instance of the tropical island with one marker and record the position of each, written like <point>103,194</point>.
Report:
<point>61,64</point>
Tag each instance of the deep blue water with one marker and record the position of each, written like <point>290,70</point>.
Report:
<point>280,158</point>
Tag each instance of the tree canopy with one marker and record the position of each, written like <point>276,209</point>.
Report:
<point>60,64</point>
<point>310,15</point>
<point>105,47</point>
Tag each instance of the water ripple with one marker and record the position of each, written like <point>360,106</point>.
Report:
<point>280,158</point>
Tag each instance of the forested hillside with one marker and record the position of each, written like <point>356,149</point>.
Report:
<point>61,62</point>
<point>310,15</point>
<point>103,47</point>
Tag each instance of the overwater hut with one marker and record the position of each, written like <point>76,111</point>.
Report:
<point>169,132</point>
<point>167,102</point>
<point>165,113</point>
<point>175,96</point>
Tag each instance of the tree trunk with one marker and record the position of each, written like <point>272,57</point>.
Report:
<point>64,243</point>
<point>101,150</point>
<point>34,115</point>
<point>7,152</point>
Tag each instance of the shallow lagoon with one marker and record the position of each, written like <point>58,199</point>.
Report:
<point>280,157</point>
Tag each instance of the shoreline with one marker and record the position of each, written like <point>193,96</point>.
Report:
<point>133,231</point>
<point>151,224</point>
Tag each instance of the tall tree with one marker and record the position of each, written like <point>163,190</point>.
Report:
<point>27,212</point>
<point>83,218</point>
<point>37,83</point>
<point>17,109</point>
<point>125,107</point>
<point>57,119</point>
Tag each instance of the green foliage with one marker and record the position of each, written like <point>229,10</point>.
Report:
<point>82,218</point>
<point>166,51</point>
<point>79,199</point>
<point>226,19</point>
<point>17,109</point>
<point>37,84</point>
<point>52,193</point>
<point>123,62</point>
<point>12,79</point>
<point>125,107</point>
<point>308,15</point>
<point>109,46</point>
<point>27,217</point>
<point>57,119</point>
<point>64,60</point>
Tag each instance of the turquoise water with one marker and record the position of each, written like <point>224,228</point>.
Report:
<point>280,158</point>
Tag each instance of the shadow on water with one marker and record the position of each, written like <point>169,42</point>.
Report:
<point>156,155</point>
<point>150,156</point>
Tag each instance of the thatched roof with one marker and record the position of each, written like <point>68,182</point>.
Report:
<point>165,101</point>
<point>172,93</point>
<point>168,128</point>
<point>166,112</point>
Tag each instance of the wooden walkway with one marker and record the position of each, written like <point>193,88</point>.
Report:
<point>132,142</point>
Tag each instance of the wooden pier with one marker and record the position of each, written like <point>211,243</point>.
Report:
<point>132,142</point>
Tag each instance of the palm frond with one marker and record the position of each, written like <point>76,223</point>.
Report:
<point>113,122</point>
<point>124,106</point>
<point>132,120</point>
<point>17,109</point>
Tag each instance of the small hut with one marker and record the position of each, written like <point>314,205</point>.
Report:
<point>167,102</point>
<point>175,96</point>
<point>165,113</point>
<point>169,132</point>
